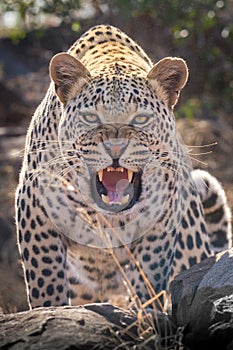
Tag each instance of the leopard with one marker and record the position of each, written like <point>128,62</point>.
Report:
<point>108,204</point>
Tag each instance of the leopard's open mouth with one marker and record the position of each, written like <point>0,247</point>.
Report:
<point>116,188</point>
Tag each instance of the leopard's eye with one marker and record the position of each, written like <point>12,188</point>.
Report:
<point>140,119</point>
<point>90,118</point>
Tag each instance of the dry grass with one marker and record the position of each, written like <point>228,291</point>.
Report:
<point>154,328</point>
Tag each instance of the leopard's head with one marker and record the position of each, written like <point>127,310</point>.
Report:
<point>117,129</point>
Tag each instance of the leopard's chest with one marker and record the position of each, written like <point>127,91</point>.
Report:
<point>99,271</point>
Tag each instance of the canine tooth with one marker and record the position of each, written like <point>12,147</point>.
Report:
<point>105,199</point>
<point>130,175</point>
<point>100,174</point>
<point>125,199</point>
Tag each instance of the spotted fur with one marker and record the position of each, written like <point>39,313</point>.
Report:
<point>105,181</point>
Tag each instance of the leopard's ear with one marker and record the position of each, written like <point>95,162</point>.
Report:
<point>167,78</point>
<point>69,76</point>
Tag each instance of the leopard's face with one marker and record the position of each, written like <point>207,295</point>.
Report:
<point>119,147</point>
<point>116,140</point>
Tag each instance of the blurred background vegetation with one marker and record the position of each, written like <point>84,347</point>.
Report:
<point>32,31</point>
<point>199,31</point>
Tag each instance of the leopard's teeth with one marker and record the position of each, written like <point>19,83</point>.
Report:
<point>100,174</point>
<point>119,169</point>
<point>105,199</point>
<point>125,199</point>
<point>130,175</point>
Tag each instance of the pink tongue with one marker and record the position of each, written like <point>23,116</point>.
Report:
<point>115,183</point>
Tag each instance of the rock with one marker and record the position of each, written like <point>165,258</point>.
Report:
<point>184,287</point>
<point>203,303</point>
<point>93,326</point>
<point>55,328</point>
<point>221,274</point>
